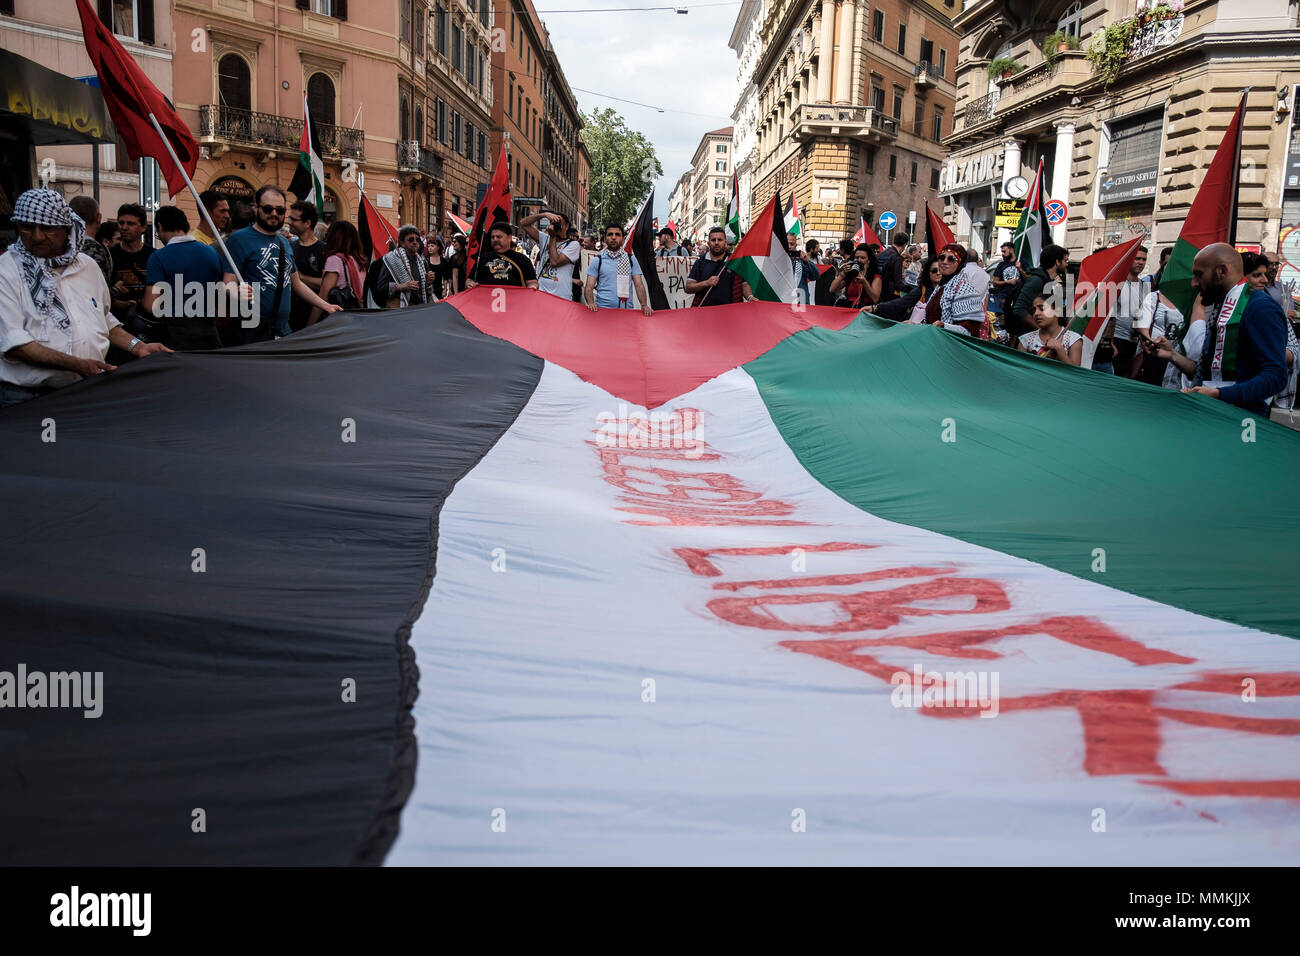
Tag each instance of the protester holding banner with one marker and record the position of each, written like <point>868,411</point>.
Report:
<point>503,265</point>
<point>961,303</point>
<point>1049,338</point>
<point>612,275</point>
<point>710,281</point>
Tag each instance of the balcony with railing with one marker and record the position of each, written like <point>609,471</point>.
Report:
<point>824,119</point>
<point>227,126</point>
<point>414,158</point>
<point>979,111</point>
<point>926,74</point>
<point>1070,70</point>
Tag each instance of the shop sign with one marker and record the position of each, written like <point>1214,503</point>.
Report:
<point>1121,187</point>
<point>232,187</point>
<point>1008,214</point>
<point>963,175</point>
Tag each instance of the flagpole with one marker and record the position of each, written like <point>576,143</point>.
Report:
<point>203,210</point>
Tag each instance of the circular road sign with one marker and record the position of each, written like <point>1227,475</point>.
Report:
<point>888,220</point>
<point>1056,211</point>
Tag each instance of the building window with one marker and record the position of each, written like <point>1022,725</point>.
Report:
<point>470,63</point>
<point>419,125</point>
<point>234,82</point>
<point>1071,21</point>
<point>898,103</point>
<point>938,123</point>
<point>722,148</point>
<point>403,119</point>
<point>442,121</point>
<point>511,110</point>
<point>440,29</point>
<point>877,99</point>
<point>457,47</point>
<point>719,184</point>
<point>720,166</point>
<point>878,25</point>
<point>320,98</point>
<point>482,149</point>
<point>469,141</point>
<point>913,172</point>
<point>927,50</point>
<point>484,12</point>
<point>419,26</point>
<point>404,19</point>
<point>943,63</point>
<point>893,165</point>
<point>902,38</point>
<point>126,18</point>
<point>326,8</point>
<point>918,119</point>
<point>457,132</point>
<point>871,159</point>
<point>934,178</point>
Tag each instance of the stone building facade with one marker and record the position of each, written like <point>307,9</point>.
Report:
<point>1125,152</point>
<point>853,102</point>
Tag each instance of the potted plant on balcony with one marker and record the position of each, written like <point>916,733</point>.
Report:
<point>1004,67</point>
<point>1110,47</point>
<point>1057,43</point>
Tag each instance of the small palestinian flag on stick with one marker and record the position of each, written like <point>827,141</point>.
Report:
<point>308,182</point>
<point>762,257</point>
<point>1101,276</point>
<point>733,212</point>
<point>1032,234</point>
<point>793,225</point>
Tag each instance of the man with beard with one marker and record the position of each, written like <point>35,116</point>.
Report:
<point>1243,359</point>
<point>405,278</point>
<point>710,281</point>
<point>55,323</point>
<point>266,260</point>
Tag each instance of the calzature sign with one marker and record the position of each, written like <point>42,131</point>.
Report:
<point>960,175</point>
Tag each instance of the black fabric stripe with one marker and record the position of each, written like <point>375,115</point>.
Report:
<point>222,690</point>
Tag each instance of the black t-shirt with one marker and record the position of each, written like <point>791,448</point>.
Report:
<point>706,268</point>
<point>311,262</point>
<point>131,269</point>
<point>506,268</point>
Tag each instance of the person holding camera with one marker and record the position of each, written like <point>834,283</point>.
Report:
<point>557,253</point>
<point>858,282</point>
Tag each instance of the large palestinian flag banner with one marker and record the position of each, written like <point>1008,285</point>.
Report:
<point>501,580</point>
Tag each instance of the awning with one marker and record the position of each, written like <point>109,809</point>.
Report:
<point>53,109</point>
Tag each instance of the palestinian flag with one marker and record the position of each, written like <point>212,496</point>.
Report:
<point>1212,217</point>
<point>1032,234</point>
<point>793,225</point>
<point>937,233</point>
<point>308,183</point>
<point>664,579</point>
<point>461,225</point>
<point>733,211</point>
<point>640,242</point>
<point>1101,276</point>
<point>762,257</point>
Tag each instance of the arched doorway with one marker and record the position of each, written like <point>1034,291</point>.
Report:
<point>320,98</point>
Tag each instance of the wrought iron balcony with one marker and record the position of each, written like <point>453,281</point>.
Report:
<point>924,74</point>
<point>980,110</point>
<point>824,119</point>
<point>414,158</point>
<point>225,124</point>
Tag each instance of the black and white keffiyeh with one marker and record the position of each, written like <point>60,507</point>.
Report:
<point>45,207</point>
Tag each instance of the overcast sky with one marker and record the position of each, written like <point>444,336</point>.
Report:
<point>658,57</point>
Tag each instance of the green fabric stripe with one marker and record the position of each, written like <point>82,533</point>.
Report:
<point>1176,280</point>
<point>1049,463</point>
<point>748,269</point>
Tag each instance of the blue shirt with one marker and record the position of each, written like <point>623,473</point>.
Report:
<point>605,268</point>
<point>180,263</point>
<point>255,254</point>
<point>1261,355</point>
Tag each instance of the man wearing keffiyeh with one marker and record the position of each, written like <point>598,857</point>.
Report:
<point>55,324</point>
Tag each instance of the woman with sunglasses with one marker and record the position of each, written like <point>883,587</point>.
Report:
<point>960,304</point>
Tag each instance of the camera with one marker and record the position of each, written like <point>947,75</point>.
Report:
<point>544,224</point>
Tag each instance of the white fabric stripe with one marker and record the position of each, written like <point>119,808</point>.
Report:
<point>531,686</point>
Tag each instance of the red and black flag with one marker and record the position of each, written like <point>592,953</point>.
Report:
<point>132,98</point>
<point>937,233</point>
<point>495,207</point>
<point>641,243</point>
<point>375,230</point>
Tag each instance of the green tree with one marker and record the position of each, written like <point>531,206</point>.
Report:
<point>623,167</point>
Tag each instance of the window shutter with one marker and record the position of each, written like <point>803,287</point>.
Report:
<point>303,4</point>
<point>146,22</point>
<point>106,13</point>
<point>342,7</point>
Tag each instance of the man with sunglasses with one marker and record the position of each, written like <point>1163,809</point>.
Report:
<point>266,263</point>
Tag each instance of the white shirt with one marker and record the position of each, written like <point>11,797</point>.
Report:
<point>85,296</point>
<point>558,280</point>
<point>1156,317</point>
<point>1128,306</point>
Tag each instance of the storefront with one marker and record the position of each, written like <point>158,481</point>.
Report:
<point>1126,187</point>
<point>971,185</point>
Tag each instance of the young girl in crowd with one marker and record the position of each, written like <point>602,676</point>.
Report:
<point>1049,339</point>
<point>343,268</point>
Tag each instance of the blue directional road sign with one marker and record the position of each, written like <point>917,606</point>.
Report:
<point>888,220</point>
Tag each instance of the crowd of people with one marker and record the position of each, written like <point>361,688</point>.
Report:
<point>79,295</point>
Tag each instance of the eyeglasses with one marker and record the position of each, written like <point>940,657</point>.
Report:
<point>949,259</point>
<point>278,210</point>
